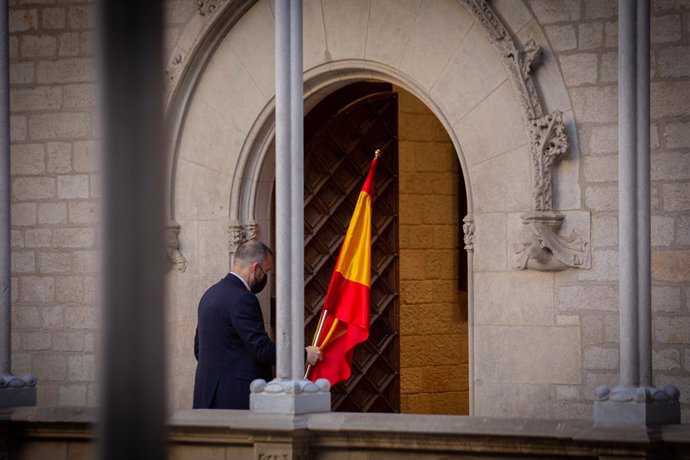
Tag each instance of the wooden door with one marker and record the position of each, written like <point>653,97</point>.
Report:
<point>337,158</point>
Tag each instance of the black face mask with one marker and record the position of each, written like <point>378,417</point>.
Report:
<point>259,284</point>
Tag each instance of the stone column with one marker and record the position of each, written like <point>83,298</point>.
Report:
<point>297,188</point>
<point>468,230</point>
<point>132,423</point>
<point>283,201</point>
<point>634,400</point>
<point>643,183</point>
<point>289,392</point>
<point>627,194</point>
<point>14,391</point>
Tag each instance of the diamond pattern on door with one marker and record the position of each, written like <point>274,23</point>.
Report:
<point>337,159</point>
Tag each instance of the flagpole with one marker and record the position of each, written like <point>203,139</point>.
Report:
<point>317,336</point>
<point>319,325</point>
<point>330,333</point>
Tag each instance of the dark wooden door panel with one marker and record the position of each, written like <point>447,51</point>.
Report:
<point>337,159</point>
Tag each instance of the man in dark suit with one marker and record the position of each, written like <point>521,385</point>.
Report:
<point>231,344</point>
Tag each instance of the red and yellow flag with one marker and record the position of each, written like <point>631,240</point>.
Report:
<point>347,301</point>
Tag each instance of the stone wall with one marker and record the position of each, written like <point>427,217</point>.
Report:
<point>433,311</point>
<point>56,192</point>
<point>583,36</point>
<point>567,320</point>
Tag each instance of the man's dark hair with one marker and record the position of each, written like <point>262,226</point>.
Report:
<point>252,251</point>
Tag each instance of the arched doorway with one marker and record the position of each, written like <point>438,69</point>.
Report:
<point>340,136</point>
<point>222,172</point>
<point>419,299</point>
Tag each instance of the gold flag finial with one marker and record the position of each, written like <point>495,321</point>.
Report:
<point>377,153</point>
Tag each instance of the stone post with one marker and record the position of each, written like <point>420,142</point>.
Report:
<point>644,242</point>
<point>297,187</point>
<point>468,230</point>
<point>132,423</point>
<point>282,194</point>
<point>634,400</point>
<point>14,391</point>
<point>627,194</point>
<point>289,392</point>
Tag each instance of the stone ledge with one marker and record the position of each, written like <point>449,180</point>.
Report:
<point>329,435</point>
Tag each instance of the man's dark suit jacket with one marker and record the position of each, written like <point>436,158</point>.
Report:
<point>230,345</point>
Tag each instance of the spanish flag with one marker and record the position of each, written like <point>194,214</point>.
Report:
<point>344,319</point>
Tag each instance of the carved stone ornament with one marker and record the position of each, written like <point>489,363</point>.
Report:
<point>235,236</point>
<point>468,230</point>
<point>542,247</point>
<point>12,381</point>
<point>642,394</point>
<point>518,60</point>
<point>172,248</point>
<point>548,142</point>
<point>239,233</point>
<point>251,230</point>
<point>278,386</point>
<point>284,396</point>
<point>206,7</point>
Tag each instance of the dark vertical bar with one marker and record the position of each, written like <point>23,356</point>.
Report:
<point>5,267</point>
<point>133,424</point>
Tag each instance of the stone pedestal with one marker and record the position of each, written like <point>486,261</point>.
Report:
<point>16,391</point>
<point>634,413</point>
<point>289,396</point>
<point>637,405</point>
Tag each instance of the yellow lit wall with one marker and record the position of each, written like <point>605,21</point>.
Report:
<point>433,311</point>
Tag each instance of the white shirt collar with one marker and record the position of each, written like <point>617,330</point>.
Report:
<point>241,279</point>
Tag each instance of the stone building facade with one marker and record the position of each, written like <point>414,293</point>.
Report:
<point>535,342</point>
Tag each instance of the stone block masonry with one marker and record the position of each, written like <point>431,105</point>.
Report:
<point>55,202</point>
<point>584,38</point>
<point>55,205</point>
<point>431,306</point>
<point>53,108</point>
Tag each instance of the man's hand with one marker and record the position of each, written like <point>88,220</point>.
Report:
<point>313,355</point>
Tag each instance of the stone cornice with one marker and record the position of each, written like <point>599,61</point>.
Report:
<point>206,7</point>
